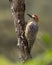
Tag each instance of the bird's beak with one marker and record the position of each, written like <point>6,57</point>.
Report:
<point>29,15</point>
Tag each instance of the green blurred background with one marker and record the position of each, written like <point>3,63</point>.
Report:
<point>42,49</point>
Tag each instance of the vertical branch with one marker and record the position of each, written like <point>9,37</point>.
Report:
<point>18,11</point>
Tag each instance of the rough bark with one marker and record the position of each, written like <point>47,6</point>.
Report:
<point>18,11</point>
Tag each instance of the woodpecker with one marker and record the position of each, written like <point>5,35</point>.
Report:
<point>31,30</point>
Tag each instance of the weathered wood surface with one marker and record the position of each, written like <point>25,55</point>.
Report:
<point>18,11</point>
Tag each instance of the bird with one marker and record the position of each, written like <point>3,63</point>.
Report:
<point>31,30</point>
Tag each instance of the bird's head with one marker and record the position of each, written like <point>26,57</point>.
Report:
<point>35,17</point>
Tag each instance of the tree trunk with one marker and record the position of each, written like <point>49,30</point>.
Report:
<point>18,11</point>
